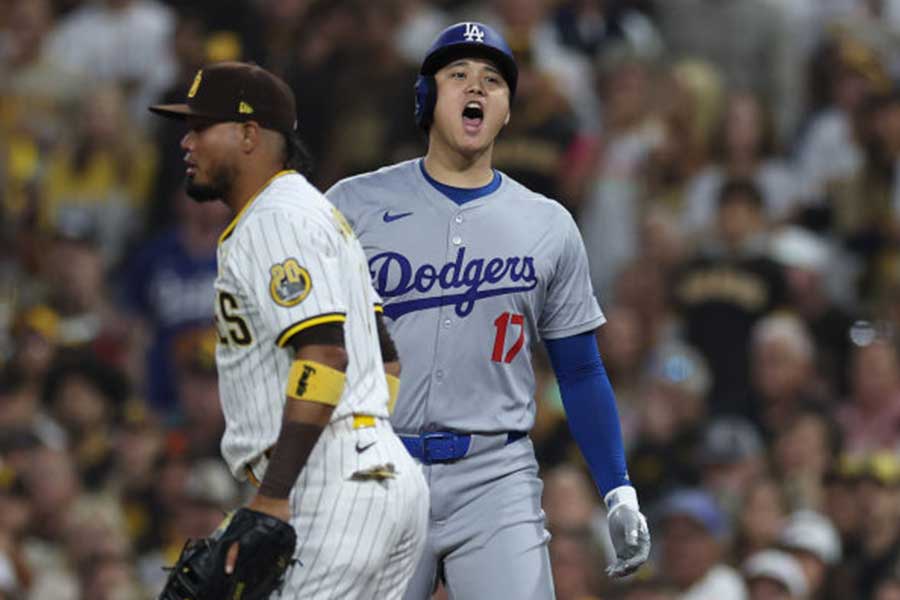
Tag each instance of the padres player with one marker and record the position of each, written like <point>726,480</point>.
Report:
<point>302,381</point>
<point>474,269</point>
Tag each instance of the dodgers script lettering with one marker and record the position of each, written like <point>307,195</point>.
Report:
<point>394,276</point>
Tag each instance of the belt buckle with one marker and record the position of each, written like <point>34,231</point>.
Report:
<point>438,446</point>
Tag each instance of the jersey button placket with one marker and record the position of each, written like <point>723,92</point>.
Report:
<point>444,320</point>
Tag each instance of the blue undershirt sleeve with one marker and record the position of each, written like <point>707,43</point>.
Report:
<point>590,404</point>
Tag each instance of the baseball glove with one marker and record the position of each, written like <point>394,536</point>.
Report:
<point>266,548</point>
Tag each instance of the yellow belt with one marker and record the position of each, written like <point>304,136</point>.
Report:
<point>363,421</point>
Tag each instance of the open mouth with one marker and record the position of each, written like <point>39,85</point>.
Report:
<point>473,115</point>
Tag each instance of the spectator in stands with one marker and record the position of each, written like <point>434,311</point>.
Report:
<point>726,289</point>
<point>888,588</point>
<point>139,446</point>
<point>644,286</point>
<point>689,97</point>
<point>870,420</point>
<point>864,204</point>
<point>812,539</point>
<point>731,458</point>
<point>878,497</point>
<point>595,28</point>
<point>120,42</point>
<point>86,397</point>
<point>100,174</point>
<point>36,334</point>
<point>674,409</point>
<point>201,421</point>
<point>760,518</point>
<point>571,504</point>
<point>784,380</point>
<point>840,506</point>
<point>694,539</point>
<point>530,23</point>
<point>653,589</point>
<point>604,176</point>
<point>15,512</point>
<point>364,136</point>
<point>76,286</point>
<point>37,94</point>
<point>760,62</point>
<point>536,147</point>
<point>574,559</point>
<point>803,453</point>
<point>625,356</point>
<point>775,575</point>
<point>743,146</point>
<point>98,548</point>
<point>816,274</point>
<point>168,289</point>
<point>831,150</point>
<point>52,484</point>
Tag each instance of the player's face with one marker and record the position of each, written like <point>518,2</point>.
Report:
<point>472,105</point>
<point>210,149</point>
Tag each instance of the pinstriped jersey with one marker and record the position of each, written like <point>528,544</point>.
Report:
<point>467,290</point>
<point>287,262</point>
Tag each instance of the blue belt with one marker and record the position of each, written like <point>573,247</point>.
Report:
<point>445,446</point>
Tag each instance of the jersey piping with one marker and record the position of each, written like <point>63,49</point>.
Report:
<point>230,229</point>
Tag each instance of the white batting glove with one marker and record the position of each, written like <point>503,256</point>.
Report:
<point>628,531</point>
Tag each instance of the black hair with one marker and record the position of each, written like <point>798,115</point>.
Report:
<point>108,380</point>
<point>296,154</point>
<point>744,189</point>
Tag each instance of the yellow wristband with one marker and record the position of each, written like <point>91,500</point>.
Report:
<point>393,389</point>
<point>314,382</point>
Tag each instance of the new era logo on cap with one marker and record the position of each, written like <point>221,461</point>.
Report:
<point>236,91</point>
<point>196,85</point>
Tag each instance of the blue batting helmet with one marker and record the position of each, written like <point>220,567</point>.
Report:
<point>460,41</point>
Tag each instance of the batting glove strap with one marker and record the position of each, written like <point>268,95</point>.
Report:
<point>624,495</point>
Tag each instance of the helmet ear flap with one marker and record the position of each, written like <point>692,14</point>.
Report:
<point>426,97</point>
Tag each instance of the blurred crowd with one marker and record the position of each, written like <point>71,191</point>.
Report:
<point>734,166</point>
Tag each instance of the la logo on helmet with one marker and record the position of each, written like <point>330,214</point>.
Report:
<point>473,33</point>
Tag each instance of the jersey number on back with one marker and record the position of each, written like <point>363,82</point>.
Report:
<point>502,324</point>
<point>234,329</point>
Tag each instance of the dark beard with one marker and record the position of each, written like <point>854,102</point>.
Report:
<point>217,189</point>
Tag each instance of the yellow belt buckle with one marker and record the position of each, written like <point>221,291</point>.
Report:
<point>363,421</point>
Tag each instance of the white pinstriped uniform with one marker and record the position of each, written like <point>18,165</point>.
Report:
<point>287,262</point>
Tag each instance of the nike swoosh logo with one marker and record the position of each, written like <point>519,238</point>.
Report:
<point>361,449</point>
<point>389,218</point>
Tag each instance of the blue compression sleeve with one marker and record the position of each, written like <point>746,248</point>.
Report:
<point>590,404</point>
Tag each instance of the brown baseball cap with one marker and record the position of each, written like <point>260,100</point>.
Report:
<point>237,91</point>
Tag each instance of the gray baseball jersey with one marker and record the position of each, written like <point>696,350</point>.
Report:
<point>467,290</point>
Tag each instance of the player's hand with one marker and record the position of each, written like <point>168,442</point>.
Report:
<point>276,507</point>
<point>628,531</point>
<point>247,556</point>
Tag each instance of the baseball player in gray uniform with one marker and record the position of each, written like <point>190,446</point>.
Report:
<point>301,366</point>
<point>474,269</point>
